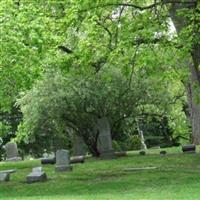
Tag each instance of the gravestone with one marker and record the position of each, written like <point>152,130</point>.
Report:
<point>45,161</point>
<point>5,175</point>
<point>37,175</point>
<point>79,146</point>
<point>77,159</point>
<point>12,152</point>
<point>63,161</point>
<point>104,143</point>
<point>189,148</point>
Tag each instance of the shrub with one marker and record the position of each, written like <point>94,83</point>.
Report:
<point>116,145</point>
<point>133,142</point>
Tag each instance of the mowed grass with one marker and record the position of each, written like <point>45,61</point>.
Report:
<point>177,177</point>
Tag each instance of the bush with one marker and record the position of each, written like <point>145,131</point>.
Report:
<point>116,146</point>
<point>133,142</point>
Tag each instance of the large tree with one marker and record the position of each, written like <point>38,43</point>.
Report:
<point>86,36</point>
<point>133,25</point>
<point>189,22</point>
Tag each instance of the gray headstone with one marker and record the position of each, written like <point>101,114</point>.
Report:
<point>36,177</point>
<point>79,146</point>
<point>189,148</point>
<point>5,174</point>
<point>37,169</point>
<point>105,140</point>
<point>12,152</point>
<point>4,177</point>
<point>63,161</point>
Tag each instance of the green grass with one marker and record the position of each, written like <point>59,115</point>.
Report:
<point>177,177</point>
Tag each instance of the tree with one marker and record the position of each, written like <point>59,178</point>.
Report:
<point>188,28</point>
<point>119,20</point>
<point>87,37</point>
<point>75,101</point>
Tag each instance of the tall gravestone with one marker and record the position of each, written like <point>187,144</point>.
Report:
<point>104,140</point>
<point>12,152</point>
<point>79,146</point>
<point>63,161</point>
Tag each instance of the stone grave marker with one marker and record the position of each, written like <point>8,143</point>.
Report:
<point>5,175</point>
<point>105,140</point>
<point>63,161</point>
<point>189,148</point>
<point>37,175</point>
<point>12,152</point>
<point>79,146</point>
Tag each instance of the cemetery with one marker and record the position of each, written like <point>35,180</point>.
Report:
<point>175,176</point>
<point>100,100</point>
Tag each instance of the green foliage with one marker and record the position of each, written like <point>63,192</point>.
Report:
<point>120,62</point>
<point>116,146</point>
<point>58,103</point>
<point>133,143</point>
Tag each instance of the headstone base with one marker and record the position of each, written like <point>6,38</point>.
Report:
<point>14,159</point>
<point>63,168</point>
<point>108,155</point>
<point>36,177</point>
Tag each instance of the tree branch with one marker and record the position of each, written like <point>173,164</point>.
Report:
<point>141,8</point>
<point>65,49</point>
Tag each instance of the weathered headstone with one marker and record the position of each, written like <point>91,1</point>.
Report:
<point>104,139</point>
<point>45,161</point>
<point>189,148</point>
<point>63,161</point>
<point>77,159</point>
<point>12,152</point>
<point>79,146</point>
<point>37,175</point>
<point>5,175</point>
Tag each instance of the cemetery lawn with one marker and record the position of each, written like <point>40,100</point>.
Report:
<point>177,177</point>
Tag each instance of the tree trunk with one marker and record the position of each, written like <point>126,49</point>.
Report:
<point>194,88</point>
